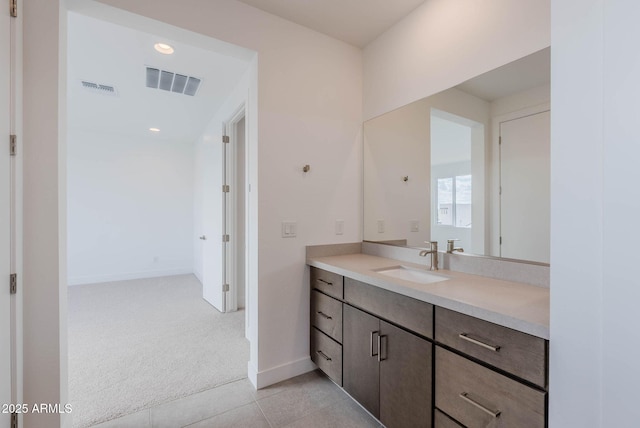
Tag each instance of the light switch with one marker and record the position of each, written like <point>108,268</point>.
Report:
<point>289,229</point>
<point>339,227</point>
<point>380,226</point>
<point>414,226</point>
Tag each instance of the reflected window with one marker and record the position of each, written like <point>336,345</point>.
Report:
<point>445,201</point>
<point>452,189</point>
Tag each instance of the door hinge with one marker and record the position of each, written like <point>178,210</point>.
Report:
<point>225,188</point>
<point>13,144</point>
<point>500,140</point>
<point>14,420</point>
<point>501,240</point>
<point>13,7</point>
<point>13,283</point>
<point>225,238</point>
<point>225,138</point>
<point>500,192</point>
<point>225,287</point>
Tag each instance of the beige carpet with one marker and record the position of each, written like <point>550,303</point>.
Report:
<point>134,344</point>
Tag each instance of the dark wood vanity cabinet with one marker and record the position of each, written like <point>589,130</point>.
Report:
<point>411,364</point>
<point>490,375</point>
<point>326,322</point>
<point>387,370</point>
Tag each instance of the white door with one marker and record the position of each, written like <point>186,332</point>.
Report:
<point>213,265</point>
<point>525,185</point>
<point>5,216</point>
<point>235,212</point>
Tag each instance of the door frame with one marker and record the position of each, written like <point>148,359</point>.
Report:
<point>231,220</point>
<point>12,66</point>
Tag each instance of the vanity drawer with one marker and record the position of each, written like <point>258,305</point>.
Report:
<point>441,420</point>
<point>327,354</point>
<point>410,313</point>
<point>328,282</point>
<point>326,314</point>
<point>479,397</point>
<point>512,351</point>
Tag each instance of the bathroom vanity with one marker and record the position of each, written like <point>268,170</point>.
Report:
<point>420,349</point>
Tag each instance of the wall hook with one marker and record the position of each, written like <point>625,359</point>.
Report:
<point>306,168</point>
<point>405,178</point>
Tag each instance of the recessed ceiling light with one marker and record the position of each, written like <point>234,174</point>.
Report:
<point>154,130</point>
<point>163,48</point>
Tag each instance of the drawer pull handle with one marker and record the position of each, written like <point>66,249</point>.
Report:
<point>373,352</point>
<point>465,397</point>
<point>323,355</point>
<point>380,337</point>
<point>325,316</point>
<point>466,337</point>
<point>324,281</point>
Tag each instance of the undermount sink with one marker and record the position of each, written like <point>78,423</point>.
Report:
<point>411,274</point>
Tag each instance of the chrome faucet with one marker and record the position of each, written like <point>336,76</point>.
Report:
<point>451,248</point>
<point>433,250</point>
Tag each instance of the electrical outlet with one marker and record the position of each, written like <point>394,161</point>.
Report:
<point>414,226</point>
<point>380,226</point>
<point>289,229</point>
<point>339,227</point>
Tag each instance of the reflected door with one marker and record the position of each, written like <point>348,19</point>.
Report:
<point>525,187</point>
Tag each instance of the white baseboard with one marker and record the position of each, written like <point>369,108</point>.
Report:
<point>278,374</point>
<point>94,279</point>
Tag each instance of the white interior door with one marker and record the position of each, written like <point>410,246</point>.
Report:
<point>235,213</point>
<point>213,265</point>
<point>525,184</point>
<point>5,216</point>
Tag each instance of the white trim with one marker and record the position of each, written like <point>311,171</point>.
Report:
<point>94,279</point>
<point>279,373</point>
<point>231,160</point>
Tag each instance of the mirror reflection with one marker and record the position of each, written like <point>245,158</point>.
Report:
<point>470,163</point>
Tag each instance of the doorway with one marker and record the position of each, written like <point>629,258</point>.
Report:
<point>236,219</point>
<point>457,166</point>
<point>6,223</point>
<point>131,201</point>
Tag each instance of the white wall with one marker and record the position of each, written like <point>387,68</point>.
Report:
<point>309,99</point>
<point>396,145</point>
<point>443,43</point>
<point>594,152</point>
<point>129,207</point>
<point>44,210</point>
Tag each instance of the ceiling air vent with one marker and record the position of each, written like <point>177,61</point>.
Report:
<point>99,88</point>
<point>172,82</point>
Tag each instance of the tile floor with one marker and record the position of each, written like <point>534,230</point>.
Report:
<point>310,400</point>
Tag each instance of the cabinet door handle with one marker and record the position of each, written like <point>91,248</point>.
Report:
<point>465,336</point>
<point>380,337</point>
<point>323,315</point>
<point>372,354</point>
<point>465,397</point>
<point>324,281</point>
<point>323,355</point>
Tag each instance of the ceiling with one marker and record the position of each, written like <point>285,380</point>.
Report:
<point>517,76</point>
<point>110,54</point>
<point>356,22</point>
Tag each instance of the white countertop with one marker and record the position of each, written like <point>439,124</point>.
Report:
<point>518,306</point>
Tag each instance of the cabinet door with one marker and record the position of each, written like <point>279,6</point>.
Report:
<point>405,378</point>
<point>360,374</point>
